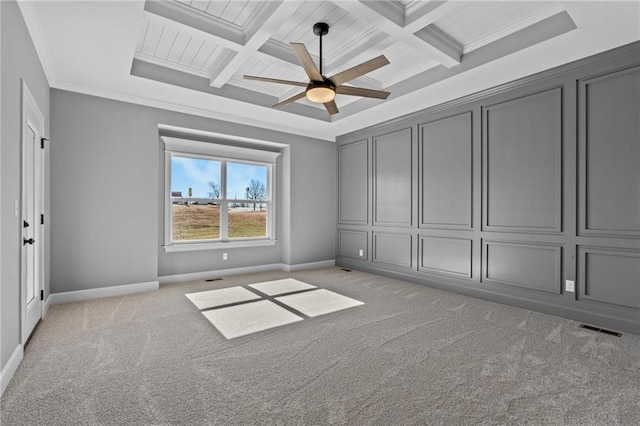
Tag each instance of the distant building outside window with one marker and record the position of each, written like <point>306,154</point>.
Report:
<point>217,195</point>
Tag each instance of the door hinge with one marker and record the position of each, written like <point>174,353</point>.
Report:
<point>41,294</point>
<point>42,142</point>
<point>41,219</point>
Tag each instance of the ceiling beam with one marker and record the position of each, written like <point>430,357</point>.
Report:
<point>442,41</point>
<point>218,40</point>
<point>277,14</point>
<point>446,54</point>
<point>426,13</point>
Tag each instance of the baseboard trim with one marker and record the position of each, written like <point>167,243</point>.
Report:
<point>195,276</point>
<point>312,265</point>
<point>47,305</point>
<point>574,313</point>
<point>10,369</point>
<point>95,293</point>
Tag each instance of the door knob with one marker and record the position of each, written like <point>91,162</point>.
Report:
<point>29,241</point>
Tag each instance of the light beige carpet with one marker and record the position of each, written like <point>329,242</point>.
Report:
<point>411,355</point>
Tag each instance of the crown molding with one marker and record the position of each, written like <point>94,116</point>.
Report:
<point>170,106</point>
<point>32,21</point>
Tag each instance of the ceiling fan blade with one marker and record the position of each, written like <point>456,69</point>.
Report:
<point>359,70</point>
<point>306,61</point>
<point>291,99</point>
<point>274,80</point>
<point>331,107</point>
<point>361,91</point>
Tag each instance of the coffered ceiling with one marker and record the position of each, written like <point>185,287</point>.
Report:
<point>191,55</point>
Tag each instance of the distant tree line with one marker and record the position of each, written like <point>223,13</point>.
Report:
<point>255,191</point>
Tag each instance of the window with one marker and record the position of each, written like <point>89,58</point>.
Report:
<point>217,195</point>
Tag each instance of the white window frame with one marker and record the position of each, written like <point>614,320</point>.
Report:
<point>223,153</point>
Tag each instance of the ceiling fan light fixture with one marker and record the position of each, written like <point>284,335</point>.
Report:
<point>321,94</point>
<point>322,89</point>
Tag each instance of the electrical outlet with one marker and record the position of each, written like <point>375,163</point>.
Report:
<point>225,256</point>
<point>361,252</point>
<point>570,286</point>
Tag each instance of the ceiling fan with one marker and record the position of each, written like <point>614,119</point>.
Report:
<point>321,89</point>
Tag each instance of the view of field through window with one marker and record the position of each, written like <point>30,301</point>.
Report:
<point>198,193</point>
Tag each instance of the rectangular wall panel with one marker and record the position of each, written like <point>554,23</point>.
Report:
<point>522,157</point>
<point>353,178</point>
<point>609,276</point>
<point>610,154</point>
<point>351,242</point>
<point>513,190</point>
<point>525,265</point>
<point>446,171</point>
<point>392,179</point>
<point>392,248</point>
<point>447,256</point>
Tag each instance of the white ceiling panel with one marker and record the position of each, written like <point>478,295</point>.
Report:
<point>221,40</point>
<point>249,11</point>
<point>191,51</point>
<point>344,35</point>
<point>151,38</point>
<point>142,36</point>
<point>267,69</point>
<point>402,65</point>
<point>217,55</point>
<point>203,57</point>
<point>165,43</point>
<point>180,44</point>
<point>234,12</point>
<point>348,34</point>
<point>201,5</point>
<point>214,8</point>
<point>357,32</point>
<point>482,22</point>
<point>298,28</point>
<point>257,67</point>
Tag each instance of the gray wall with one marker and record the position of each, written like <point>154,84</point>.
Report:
<point>508,193</point>
<point>107,211</point>
<point>18,61</point>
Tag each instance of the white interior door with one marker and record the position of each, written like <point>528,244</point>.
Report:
<point>32,204</point>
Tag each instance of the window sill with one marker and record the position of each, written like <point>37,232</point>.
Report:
<point>218,245</point>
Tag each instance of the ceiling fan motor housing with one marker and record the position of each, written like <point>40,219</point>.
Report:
<point>325,83</point>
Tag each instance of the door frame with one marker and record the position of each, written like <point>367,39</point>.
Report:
<point>30,108</point>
